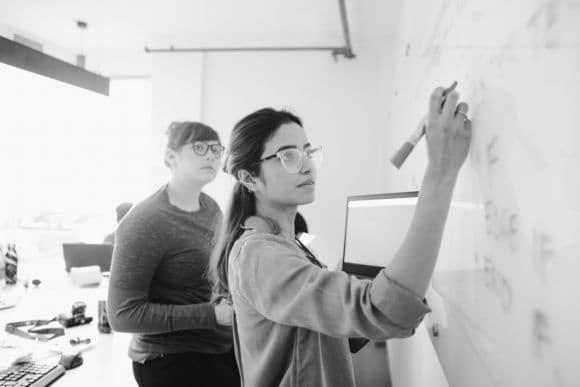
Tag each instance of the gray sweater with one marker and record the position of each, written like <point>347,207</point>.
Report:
<point>159,288</point>
<point>293,318</point>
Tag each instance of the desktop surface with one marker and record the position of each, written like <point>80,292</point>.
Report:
<point>106,362</point>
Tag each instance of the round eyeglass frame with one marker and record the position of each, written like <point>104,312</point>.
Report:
<point>216,149</point>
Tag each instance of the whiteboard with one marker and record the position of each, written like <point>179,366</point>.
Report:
<point>506,289</point>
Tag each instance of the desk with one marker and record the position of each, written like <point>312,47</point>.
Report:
<point>107,363</point>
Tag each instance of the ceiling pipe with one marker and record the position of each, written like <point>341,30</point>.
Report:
<point>345,51</point>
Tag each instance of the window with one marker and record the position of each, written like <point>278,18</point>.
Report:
<point>68,158</point>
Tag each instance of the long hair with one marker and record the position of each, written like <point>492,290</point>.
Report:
<point>246,147</point>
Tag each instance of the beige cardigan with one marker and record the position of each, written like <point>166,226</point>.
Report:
<point>293,318</point>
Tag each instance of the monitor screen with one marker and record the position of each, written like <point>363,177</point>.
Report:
<point>375,228</point>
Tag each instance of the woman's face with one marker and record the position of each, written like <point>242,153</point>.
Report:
<point>199,161</point>
<point>276,184</point>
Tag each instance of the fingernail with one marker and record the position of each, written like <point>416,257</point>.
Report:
<point>450,88</point>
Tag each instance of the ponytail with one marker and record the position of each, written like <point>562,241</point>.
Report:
<point>242,206</point>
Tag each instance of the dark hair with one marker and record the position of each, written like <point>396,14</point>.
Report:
<point>181,133</point>
<point>246,147</point>
<point>300,225</point>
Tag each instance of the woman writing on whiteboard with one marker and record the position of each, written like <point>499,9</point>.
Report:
<point>292,316</point>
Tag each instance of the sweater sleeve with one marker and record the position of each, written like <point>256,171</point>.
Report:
<point>136,256</point>
<point>285,288</point>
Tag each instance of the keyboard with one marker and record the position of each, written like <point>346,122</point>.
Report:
<point>31,375</point>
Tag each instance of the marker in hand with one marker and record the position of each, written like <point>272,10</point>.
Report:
<point>405,150</point>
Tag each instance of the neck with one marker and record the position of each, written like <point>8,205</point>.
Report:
<point>184,194</point>
<point>283,215</point>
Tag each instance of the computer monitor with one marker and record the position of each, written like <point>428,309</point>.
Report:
<point>375,227</point>
<point>85,254</point>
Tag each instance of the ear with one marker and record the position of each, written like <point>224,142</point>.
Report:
<point>169,158</point>
<point>247,179</point>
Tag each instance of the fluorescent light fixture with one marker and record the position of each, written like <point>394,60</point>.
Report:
<point>18,55</point>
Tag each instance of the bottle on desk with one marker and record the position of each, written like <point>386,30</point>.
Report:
<point>103,320</point>
<point>11,263</point>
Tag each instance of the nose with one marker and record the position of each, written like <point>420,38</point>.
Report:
<point>307,165</point>
<point>210,156</point>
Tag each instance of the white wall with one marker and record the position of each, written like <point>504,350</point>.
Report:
<point>339,106</point>
<point>344,106</point>
<point>177,92</point>
<point>414,362</point>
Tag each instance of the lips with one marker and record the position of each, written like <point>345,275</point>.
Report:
<point>306,183</point>
<point>208,168</point>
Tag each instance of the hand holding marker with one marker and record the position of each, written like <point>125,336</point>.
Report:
<point>401,155</point>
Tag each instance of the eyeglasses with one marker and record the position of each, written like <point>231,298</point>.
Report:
<point>292,159</point>
<point>201,148</point>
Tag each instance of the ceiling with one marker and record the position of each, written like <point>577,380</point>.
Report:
<point>130,25</point>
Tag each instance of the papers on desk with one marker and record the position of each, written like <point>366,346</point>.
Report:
<point>86,275</point>
<point>10,294</point>
<point>15,350</point>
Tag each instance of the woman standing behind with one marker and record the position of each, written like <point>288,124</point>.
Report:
<point>292,316</point>
<point>159,289</point>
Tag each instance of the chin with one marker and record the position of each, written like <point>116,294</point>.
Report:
<point>307,199</point>
<point>204,178</point>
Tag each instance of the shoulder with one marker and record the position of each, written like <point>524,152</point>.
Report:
<point>259,248</point>
<point>144,214</point>
<point>210,203</point>
<point>261,232</point>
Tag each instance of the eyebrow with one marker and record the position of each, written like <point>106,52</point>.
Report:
<point>292,147</point>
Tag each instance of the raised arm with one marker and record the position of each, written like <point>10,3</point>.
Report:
<point>272,276</point>
<point>448,136</point>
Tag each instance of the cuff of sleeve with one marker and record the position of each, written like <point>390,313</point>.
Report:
<point>211,316</point>
<point>198,316</point>
<point>397,302</point>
